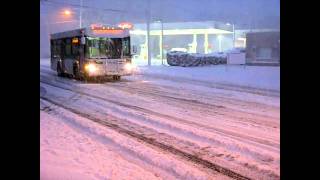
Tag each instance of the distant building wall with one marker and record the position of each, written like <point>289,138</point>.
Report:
<point>263,47</point>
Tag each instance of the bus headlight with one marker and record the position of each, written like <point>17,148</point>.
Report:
<point>91,68</point>
<point>128,66</point>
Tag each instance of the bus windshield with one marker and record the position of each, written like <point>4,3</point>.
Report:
<point>110,48</point>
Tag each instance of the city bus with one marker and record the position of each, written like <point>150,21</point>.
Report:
<point>89,53</point>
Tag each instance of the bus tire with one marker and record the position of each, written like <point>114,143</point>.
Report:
<point>59,70</point>
<point>76,72</point>
<point>117,78</point>
<point>85,77</point>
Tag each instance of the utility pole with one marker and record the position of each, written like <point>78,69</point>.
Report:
<point>234,35</point>
<point>162,42</point>
<point>148,33</point>
<point>80,18</point>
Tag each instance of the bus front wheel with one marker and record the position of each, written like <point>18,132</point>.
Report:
<point>59,71</point>
<point>116,77</point>
<point>76,72</point>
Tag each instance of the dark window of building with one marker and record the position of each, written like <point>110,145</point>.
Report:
<point>264,53</point>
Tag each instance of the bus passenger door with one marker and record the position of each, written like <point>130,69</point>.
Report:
<point>55,53</point>
<point>81,57</point>
<point>68,59</point>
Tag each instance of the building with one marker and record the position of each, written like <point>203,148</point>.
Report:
<point>263,48</point>
<point>204,37</point>
<point>193,37</point>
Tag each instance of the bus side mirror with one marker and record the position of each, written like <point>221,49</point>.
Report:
<point>83,40</point>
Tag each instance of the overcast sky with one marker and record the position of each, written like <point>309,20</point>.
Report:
<point>244,13</point>
<point>258,13</point>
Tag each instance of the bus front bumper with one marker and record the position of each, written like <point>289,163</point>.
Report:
<point>96,70</point>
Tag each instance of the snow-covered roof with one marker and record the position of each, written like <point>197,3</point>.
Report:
<point>72,33</point>
<point>108,32</point>
<point>188,25</point>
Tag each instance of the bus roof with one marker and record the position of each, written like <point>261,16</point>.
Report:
<point>103,31</point>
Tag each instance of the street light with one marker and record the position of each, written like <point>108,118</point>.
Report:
<point>161,39</point>
<point>67,12</point>
<point>220,42</point>
<point>148,18</point>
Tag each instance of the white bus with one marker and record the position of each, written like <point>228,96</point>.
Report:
<point>98,51</point>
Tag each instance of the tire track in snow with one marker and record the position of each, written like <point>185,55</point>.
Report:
<point>132,155</point>
<point>265,121</point>
<point>262,92</point>
<point>65,80</point>
<point>223,132</point>
<point>227,111</point>
<point>154,142</point>
<point>138,109</point>
<point>160,88</point>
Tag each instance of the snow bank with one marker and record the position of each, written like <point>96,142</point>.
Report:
<point>262,77</point>
<point>184,59</point>
<point>195,59</point>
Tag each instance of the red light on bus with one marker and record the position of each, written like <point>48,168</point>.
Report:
<point>95,26</point>
<point>107,31</point>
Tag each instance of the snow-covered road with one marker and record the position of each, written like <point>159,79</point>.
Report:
<point>152,127</point>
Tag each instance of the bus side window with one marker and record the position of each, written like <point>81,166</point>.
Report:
<point>68,48</point>
<point>52,49</point>
<point>58,46</point>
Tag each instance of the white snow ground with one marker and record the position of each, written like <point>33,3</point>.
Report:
<point>260,77</point>
<point>72,148</point>
<point>263,77</point>
<point>68,152</point>
<point>230,125</point>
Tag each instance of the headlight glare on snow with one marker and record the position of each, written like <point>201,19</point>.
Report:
<point>128,66</point>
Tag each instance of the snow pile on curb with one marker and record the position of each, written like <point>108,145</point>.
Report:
<point>184,59</point>
<point>195,59</point>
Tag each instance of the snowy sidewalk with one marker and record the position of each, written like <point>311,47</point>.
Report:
<point>261,77</point>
